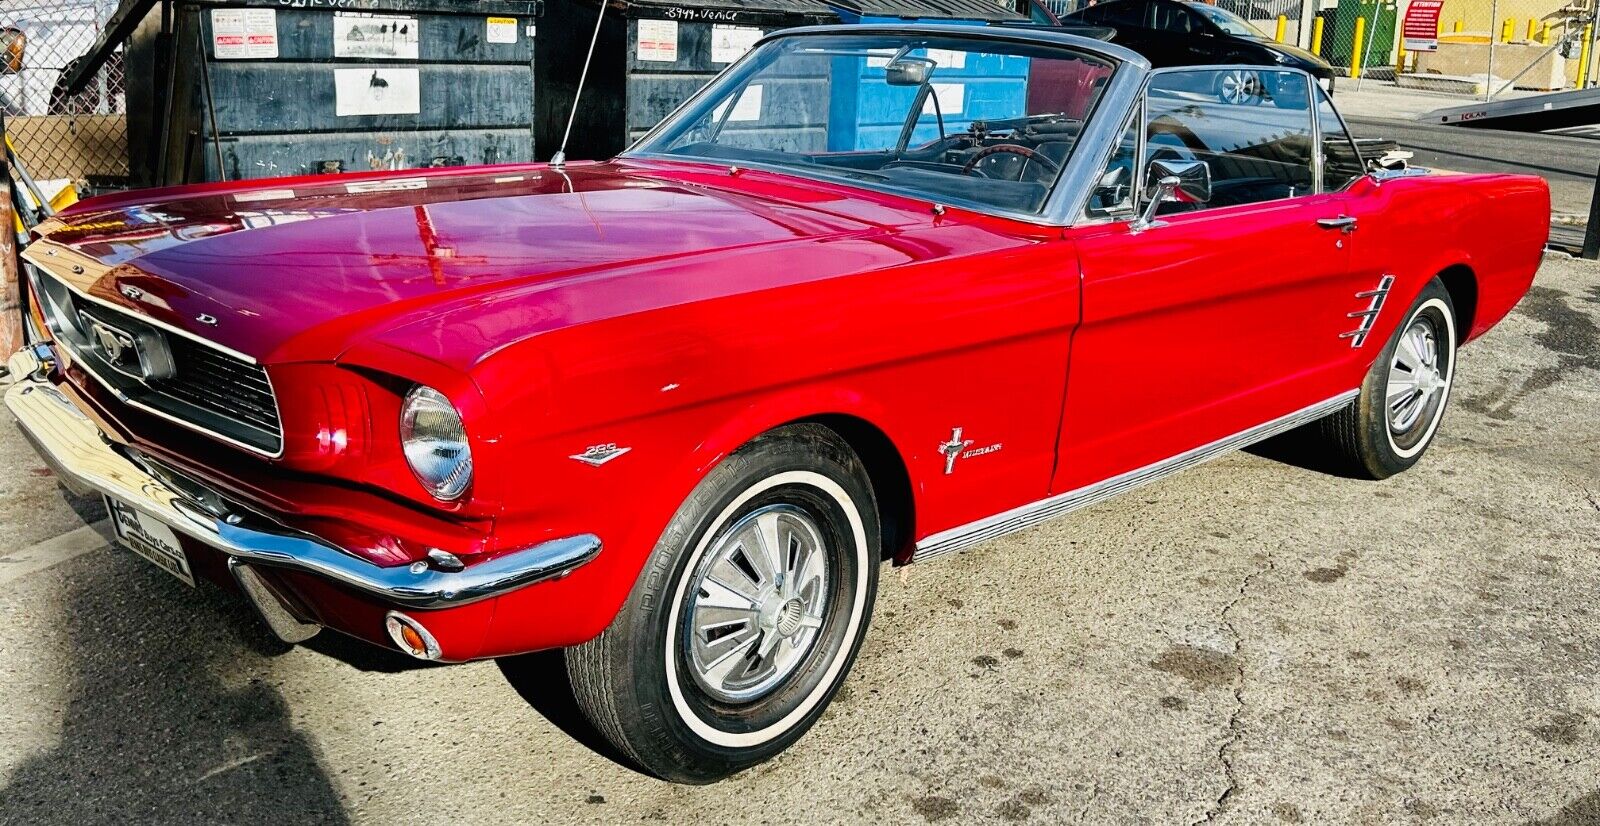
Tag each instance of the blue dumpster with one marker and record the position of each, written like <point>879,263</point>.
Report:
<point>868,114</point>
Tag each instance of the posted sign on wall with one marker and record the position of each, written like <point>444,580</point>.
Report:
<point>1420,29</point>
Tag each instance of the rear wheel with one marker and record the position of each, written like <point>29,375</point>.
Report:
<point>747,616</point>
<point>1403,398</point>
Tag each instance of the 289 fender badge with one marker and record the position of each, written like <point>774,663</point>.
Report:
<point>597,455</point>
<point>959,448</point>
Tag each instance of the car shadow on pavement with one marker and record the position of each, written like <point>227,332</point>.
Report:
<point>541,680</point>
<point>169,712</point>
<point>361,655</point>
<point>1307,449</point>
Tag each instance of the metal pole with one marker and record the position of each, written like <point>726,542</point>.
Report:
<point>11,298</point>
<point>1377,17</point>
<point>1488,80</point>
<point>211,105</point>
<point>1528,68</point>
<point>1591,232</point>
<point>1590,56</point>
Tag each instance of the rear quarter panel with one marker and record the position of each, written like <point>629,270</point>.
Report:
<point>1415,228</point>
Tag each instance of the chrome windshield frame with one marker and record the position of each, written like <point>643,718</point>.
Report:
<point>1071,186</point>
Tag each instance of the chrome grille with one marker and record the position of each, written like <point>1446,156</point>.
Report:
<point>220,383</point>
<point>206,388</point>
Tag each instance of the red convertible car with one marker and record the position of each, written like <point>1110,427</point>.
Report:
<point>877,293</point>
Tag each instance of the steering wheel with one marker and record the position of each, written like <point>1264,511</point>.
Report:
<point>1011,148</point>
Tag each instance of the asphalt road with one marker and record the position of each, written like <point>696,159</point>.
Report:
<point>1250,641</point>
<point>1568,163</point>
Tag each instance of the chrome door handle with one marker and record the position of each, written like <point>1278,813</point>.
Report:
<point>1343,223</point>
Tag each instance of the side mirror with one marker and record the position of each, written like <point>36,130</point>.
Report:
<point>1173,181</point>
<point>908,72</point>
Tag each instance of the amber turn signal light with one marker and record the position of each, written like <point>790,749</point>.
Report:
<point>411,636</point>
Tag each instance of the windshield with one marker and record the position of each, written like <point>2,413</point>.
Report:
<point>956,120</point>
<point>1229,22</point>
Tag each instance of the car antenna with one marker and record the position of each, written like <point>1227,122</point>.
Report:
<point>559,159</point>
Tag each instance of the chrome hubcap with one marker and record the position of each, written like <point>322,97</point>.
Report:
<point>1416,379</point>
<point>756,604</point>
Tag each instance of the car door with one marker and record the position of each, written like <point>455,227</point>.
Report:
<point>1220,316</point>
<point>1176,34</point>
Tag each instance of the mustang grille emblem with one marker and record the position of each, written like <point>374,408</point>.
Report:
<point>140,355</point>
<point>119,348</point>
<point>1369,316</point>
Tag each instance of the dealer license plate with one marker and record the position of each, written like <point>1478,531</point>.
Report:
<point>149,538</point>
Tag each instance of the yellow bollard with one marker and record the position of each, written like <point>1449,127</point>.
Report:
<point>1544,34</point>
<point>1316,36</point>
<point>1583,58</point>
<point>1283,26</point>
<point>1533,30</point>
<point>1506,29</point>
<point>1457,27</point>
<point>1400,60</point>
<point>1355,53</point>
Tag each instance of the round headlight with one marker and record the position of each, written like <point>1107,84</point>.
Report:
<point>435,443</point>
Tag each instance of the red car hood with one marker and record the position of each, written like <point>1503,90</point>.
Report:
<point>293,269</point>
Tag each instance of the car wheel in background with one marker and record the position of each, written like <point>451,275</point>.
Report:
<point>1393,420</point>
<point>747,616</point>
<point>1238,86</point>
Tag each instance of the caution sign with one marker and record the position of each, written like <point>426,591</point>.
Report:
<point>1420,29</point>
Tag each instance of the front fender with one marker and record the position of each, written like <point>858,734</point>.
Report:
<point>630,499</point>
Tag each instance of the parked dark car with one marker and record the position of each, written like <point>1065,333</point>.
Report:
<point>1183,33</point>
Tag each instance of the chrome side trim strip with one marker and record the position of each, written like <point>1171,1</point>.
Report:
<point>1026,516</point>
<point>70,442</point>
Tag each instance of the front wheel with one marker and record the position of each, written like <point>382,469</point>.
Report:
<point>1402,400</point>
<point>747,616</point>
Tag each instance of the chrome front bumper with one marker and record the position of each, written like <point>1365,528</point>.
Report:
<point>71,442</point>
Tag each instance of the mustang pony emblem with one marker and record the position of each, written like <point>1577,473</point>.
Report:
<point>952,450</point>
<point>119,349</point>
<point>958,448</point>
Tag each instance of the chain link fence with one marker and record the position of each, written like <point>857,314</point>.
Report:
<point>76,142</point>
<point>1476,48</point>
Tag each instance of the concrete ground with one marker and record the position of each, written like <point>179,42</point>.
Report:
<point>1250,642</point>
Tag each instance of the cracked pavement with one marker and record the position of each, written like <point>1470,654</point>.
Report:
<point>1247,642</point>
